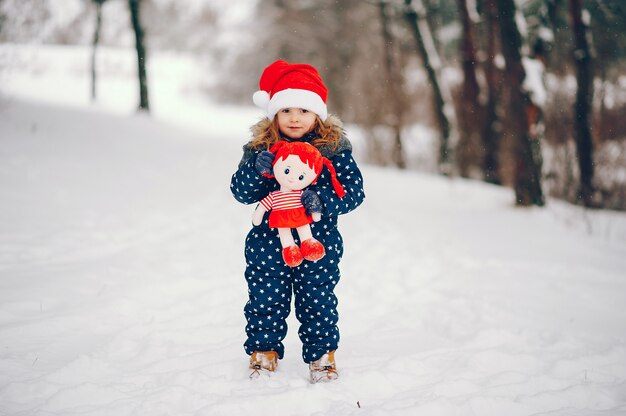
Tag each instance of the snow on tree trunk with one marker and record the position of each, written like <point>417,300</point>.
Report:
<point>526,150</point>
<point>134,6</point>
<point>444,109</point>
<point>583,107</point>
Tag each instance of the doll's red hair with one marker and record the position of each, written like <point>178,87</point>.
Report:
<point>311,156</point>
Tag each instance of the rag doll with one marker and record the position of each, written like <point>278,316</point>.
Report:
<point>296,165</point>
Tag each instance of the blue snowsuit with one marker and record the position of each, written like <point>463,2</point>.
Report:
<point>271,282</point>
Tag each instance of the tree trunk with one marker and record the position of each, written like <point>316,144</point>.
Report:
<point>96,40</point>
<point>340,56</point>
<point>394,90</point>
<point>491,127</point>
<point>552,10</point>
<point>584,95</point>
<point>430,58</point>
<point>470,108</point>
<point>525,152</point>
<point>134,6</point>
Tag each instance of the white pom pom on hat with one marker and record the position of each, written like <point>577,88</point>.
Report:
<point>261,99</point>
<point>285,85</point>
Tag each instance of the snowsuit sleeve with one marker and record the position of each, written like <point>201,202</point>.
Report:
<point>247,186</point>
<point>350,177</point>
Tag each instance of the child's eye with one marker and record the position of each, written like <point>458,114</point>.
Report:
<point>301,177</point>
<point>287,171</point>
<point>304,111</point>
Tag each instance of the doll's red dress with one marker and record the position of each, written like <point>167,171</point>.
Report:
<point>286,209</point>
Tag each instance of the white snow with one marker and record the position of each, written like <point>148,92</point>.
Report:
<point>533,82</point>
<point>122,289</point>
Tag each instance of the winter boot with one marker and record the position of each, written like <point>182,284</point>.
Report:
<point>324,369</point>
<point>312,249</point>
<point>263,362</point>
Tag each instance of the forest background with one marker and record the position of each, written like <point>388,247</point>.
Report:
<point>528,94</point>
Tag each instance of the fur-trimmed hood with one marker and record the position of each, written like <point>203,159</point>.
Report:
<point>337,144</point>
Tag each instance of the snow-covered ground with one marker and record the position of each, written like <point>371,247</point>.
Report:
<point>121,272</point>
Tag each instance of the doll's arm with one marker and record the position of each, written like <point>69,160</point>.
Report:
<point>264,206</point>
<point>350,177</point>
<point>247,185</point>
<point>257,215</point>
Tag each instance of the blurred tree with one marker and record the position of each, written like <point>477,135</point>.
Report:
<point>492,126</point>
<point>95,42</point>
<point>394,97</point>
<point>583,56</point>
<point>24,20</point>
<point>608,31</point>
<point>414,14</point>
<point>3,20</point>
<point>526,151</point>
<point>135,9</point>
<point>469,108</point>
<point>181,26</point>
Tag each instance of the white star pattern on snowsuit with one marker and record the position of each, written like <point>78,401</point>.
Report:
<point>271,282</point>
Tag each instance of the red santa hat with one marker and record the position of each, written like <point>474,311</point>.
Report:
<point>285,85</point>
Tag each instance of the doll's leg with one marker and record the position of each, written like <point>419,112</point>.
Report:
<point>286,238</point>
<point>291,252</point>
<point>304,232</point>
<point>311,249</point>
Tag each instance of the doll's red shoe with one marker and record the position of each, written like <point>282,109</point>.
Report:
<point>292,256</point>
<point>312,249</point>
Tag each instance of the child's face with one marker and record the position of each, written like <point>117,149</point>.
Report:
<point>295,122</point>
<point>292,174</point>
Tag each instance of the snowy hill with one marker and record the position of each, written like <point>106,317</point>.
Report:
<point>122,290</point>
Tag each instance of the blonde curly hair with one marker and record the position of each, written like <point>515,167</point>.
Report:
<point>266,133</point>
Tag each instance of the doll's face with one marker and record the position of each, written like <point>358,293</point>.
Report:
<point>292,174</point>
<point>295,122</point>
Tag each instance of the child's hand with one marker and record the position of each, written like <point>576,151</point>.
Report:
<point>263,163</point>
<point>311,202</point>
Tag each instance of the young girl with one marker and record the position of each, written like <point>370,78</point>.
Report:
<point>294,98</point>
